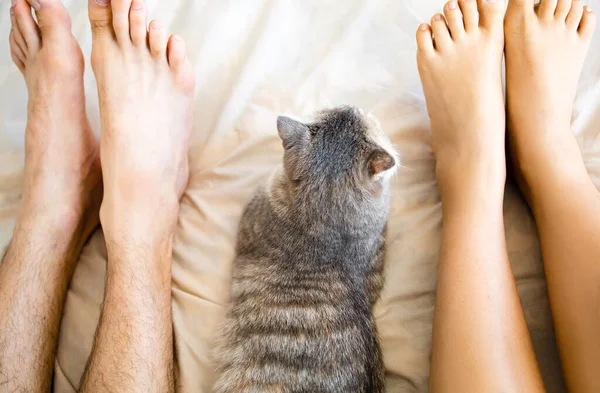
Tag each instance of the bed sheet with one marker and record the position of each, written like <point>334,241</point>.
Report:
<point>255,60</point>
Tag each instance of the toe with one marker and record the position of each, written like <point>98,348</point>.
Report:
<point>425,39</point>
<point>588,23</point>
<point>455,19</point>
<point>176,53</point>
<point>575,15</point>
<point>100,15</point>
<point>520,6</point>
<point>158,39</point>
<point>26,25</point>
<point>120,20</point>
<point>53,18</point>
<point>180,65</point>
<point>562,9</point>
<point>17,54</point>
<point>18,62</point>
<point>547,9</point>
<point>470,14</point>
<point>491,14</point>
<point>441,34</point>
<point>16,36</point>
<point>137,17</point>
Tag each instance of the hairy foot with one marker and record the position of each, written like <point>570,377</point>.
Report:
<point>62,167</point>
<point>145,87</point>
<point>546,46</point>
<point>460,63</point>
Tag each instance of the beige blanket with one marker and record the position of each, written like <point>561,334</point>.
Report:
<point>256,59</point>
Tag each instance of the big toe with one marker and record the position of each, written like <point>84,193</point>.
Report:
<point>491,13</point>
<point>520,7</point>
<point>100,15</point>
<point>25,28</point>
<point>52,17</point>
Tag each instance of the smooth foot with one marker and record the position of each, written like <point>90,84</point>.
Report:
<point>62,166</point>
<point>460,62</point>
<point>145,87</point>
<point>546,45</point>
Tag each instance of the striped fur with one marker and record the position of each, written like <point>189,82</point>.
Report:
<point>309,266</point>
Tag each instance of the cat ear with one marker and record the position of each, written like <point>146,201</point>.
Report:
<point>379,162</point>
<point>292,132</point>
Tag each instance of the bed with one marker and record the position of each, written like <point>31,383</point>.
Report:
<point>255,60</point>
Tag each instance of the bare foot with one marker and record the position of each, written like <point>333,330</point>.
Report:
<point>146,87</point>
<point>461,70</point>
<point>546,46</point>
<point>62,167</point>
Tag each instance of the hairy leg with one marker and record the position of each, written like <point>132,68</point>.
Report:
<point>60,198</point>
<point>545,50</point>
<point>145,88</point>
<point>480,339</point>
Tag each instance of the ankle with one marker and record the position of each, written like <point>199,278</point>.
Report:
<point>561,192</point>
<point>545,123</point>
<point>557,169</point>
<point>455,167</point>
<point>553,156</point>
<point>144,212</point>
<point>472,179</point>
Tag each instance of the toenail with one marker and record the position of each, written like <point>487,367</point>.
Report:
<point>13,2</point>
<point>492,1</point>
<point>437,17</point>
<point>157,25</point>
<point>177,37</point>
<point>588,8</point>
<point>35,4</point>
<point>102,2</point>
<point>423,27</point>
<point>452,5</point>
<point>137,5</point>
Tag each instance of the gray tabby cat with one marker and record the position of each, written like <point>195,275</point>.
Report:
<point>309,264</point>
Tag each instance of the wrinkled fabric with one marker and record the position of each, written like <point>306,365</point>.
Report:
<point>255,60</point>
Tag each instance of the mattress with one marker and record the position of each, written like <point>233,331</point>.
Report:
<point>255,60</point>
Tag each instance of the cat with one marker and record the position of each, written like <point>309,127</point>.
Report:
<point>309,264</point>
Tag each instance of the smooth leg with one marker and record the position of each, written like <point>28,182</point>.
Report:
<point>480,339</point>
<point>545,50</point>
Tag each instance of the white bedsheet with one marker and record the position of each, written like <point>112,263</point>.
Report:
<point>254,60</point>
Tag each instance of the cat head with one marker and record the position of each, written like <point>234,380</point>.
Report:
<point>341,158</point>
